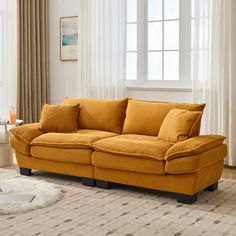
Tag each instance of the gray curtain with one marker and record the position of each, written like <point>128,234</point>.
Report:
<point>33,65</point>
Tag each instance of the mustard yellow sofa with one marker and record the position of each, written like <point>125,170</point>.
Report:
<point>117,141</point>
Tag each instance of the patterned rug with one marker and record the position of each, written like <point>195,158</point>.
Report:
<point>124,210</point>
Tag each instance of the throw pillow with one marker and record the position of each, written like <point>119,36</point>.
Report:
<point>59,118</point>
<point>179,124</point>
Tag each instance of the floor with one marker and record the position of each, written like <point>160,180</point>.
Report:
<point>229,173</point>
<point>125,211</point>
<point>121,215</point>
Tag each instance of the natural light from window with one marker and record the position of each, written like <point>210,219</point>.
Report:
<point>154,53</point>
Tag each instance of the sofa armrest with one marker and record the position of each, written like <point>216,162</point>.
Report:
<point>193,146</point>
<point>27,133</point>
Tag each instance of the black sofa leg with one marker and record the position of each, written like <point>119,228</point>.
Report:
<point>212,187</point>
<point>102,184</point>
<point>25,171</point>
<point>88,182</point>
<point>186,199</point>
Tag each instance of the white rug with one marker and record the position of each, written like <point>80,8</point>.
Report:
<point>45,193</point>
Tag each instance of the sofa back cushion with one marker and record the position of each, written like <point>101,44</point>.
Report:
<point>100,114</point>
<point>145,117</point>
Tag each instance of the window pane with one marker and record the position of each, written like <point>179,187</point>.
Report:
<point>193,8</point>
<point>171,37</point>
<point>131,37</point>
<point>155,66</point>
<point>171,9</point>
<point>131,65</point>
<point>154,36</point>
<point>154,9</point>
<point>131,10</point>
<point>171,66</point>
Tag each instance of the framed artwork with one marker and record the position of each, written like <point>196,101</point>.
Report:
<point>69,38</point>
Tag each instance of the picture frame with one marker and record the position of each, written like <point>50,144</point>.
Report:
<point>69,38</point>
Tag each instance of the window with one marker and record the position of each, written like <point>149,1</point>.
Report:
<point>158,43</point>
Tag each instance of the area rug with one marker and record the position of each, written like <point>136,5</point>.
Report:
<point>125,210</point>
<point>44,193</point>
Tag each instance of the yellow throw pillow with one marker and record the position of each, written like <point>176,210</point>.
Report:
<point>59,118</point>
<point>179,124</point>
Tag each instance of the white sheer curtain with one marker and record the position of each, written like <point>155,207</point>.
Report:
<point>8,56</point>
<point>214,68</point>
<point>101,60</point>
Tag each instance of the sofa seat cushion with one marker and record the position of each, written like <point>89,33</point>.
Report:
<point>128,163</point>
<point>142,146</point>
<point>81,139</point>
<point>71,155</point>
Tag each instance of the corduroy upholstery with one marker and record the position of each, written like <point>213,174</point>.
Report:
<point>194,163</point>
<point>27,133</point>
<point>179,124</point>
<point>193,146</point>
<point>131,144</point>
<point>134,145</point>
<point>59,118</point>
<point>128,163</point>
<point>143,117</point>
<point>80,139</point>
<point>100,114</point>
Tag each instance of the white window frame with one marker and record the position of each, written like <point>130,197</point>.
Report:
<point>142,48</point>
